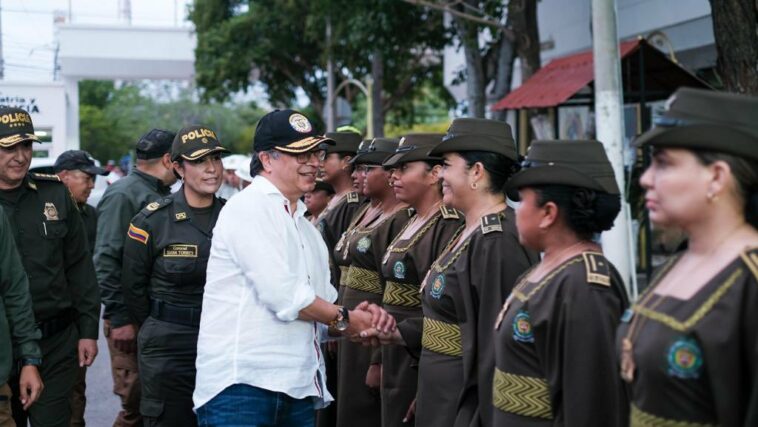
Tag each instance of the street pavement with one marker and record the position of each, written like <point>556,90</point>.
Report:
<point>102,404</point>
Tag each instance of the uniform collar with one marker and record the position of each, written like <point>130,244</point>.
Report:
<point>29,182</point>
<point>181,208</point>
<point>262,184</point>
<point>153,181</point>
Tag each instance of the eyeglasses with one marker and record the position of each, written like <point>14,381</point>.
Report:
<point>304,158</point>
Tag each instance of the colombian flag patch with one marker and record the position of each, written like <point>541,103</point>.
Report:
<point>138,234</point>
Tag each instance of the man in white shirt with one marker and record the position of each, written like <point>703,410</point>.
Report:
<point>268,298</point>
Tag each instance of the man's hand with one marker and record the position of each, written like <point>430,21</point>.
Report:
<point>380,319</point>
<point>30,385</point>
<point>124,338</point>
<point>87,352</point>
<point>374,376</point>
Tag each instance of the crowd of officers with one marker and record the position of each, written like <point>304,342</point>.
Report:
<point>489,332</point>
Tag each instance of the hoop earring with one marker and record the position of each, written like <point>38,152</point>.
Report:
<point>474,185</point>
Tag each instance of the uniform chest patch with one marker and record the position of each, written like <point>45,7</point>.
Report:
<point>180,251</point>
<point>363,244</point>
<point>438,286</point>
<point>685,359</point>
<point>51,212</point>
<point>522,327</point>
<point>399,270</point>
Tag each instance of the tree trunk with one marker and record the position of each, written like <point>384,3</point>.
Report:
<point>377,73</point>
<point>734,26</point>
<point>475,83</point>
<point>503,75</point>
<point>522,16</point>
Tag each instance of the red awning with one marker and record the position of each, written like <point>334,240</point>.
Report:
<point>558,81</point>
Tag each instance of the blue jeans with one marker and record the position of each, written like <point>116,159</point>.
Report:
<point>241,405</point>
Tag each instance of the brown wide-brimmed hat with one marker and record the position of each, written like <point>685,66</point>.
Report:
<point>564,162</point>
<point>468,134</point>
<point>414,147</point>
<point>344,142</point>
<point>377,151</point>
<point>707,120</point>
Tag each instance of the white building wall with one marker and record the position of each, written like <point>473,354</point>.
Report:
<point>47,105</point>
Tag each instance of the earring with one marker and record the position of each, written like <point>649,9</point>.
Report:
<point>712,197</point>
<point>474,185</point>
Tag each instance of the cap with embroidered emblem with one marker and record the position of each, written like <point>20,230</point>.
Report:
<point>287,131</point>
<point>15,127</point>
<point>576,163</point>
<point>78,160</point>
<point>414,147</point>
<point>194,142</point>
<point>154,144</point>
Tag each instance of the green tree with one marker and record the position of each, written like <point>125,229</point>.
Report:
<point>283,44</point>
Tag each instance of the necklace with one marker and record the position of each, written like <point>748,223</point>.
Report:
<point>628,365</point>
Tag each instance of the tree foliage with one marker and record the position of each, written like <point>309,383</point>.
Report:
<point>283,44</point>
<point>111,119</point>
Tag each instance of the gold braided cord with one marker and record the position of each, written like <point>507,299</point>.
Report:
<point>442,337</point>
<point>401,294</point>
<point>439,268</point>
<point>521,395</point>
<point>416,237</point>
<point>525,297</point>
<point>364,280</point>
<point>698,315</point>
<point>640,418</point>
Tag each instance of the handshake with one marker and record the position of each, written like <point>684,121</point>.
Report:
<point>371,325</point>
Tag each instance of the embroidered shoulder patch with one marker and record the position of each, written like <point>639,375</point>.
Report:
<point>157,205</point>
<point>491,223</point>
<point>449,213</point>
<point>598,269</point>
<point>138,234</point>
<point>352,197</point>
<point>45,177</point>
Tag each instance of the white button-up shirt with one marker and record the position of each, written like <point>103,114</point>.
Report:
<point>265,266</point>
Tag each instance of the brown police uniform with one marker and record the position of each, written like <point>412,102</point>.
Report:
<point>554,348</point>
<point>462,294</point>
<point>404,266</point>
<point>694,362</point>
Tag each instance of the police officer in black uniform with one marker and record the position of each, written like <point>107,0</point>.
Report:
<point>50,238</point>
<point>163,276</point>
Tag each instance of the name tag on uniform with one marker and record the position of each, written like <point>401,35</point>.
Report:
<point>181,251</point>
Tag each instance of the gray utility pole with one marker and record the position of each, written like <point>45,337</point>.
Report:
<point>609,125</point>
<point>2,59</point>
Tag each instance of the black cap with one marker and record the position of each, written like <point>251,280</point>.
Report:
<point>324,186</point>
<point>78,159</point>
<point>194,142</point>
<point>377,152</point>
<point>707,120</point>
<point>575,163</point>
<point>344,142</point>
<point>468,134</point>
<point>414,147</point>
<point>288,131</point>
<point>15,127</point>
<point>154,144</point>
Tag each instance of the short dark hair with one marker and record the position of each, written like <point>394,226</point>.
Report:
<point>586,212</point>
<point>500,167</point>
<point>745,173</point>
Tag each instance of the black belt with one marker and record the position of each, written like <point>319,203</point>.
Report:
<point>56,324</point>
<point>161,310</point>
